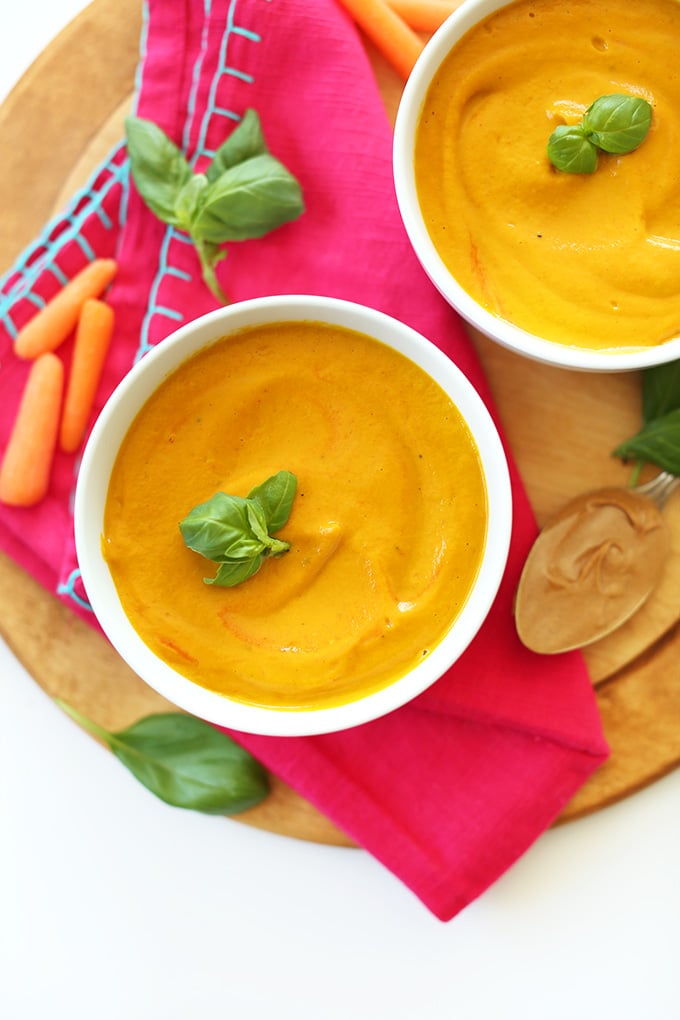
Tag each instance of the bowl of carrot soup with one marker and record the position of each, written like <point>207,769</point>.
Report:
<point>293,515</point>
<point>535,163</point>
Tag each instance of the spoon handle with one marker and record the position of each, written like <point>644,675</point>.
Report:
<point>660,488</point>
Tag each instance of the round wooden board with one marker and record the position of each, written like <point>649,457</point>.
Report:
<point>62,117</point>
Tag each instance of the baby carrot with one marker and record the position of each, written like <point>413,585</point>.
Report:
<point>424,15</point>
<point>395,40</point>
<point>57,319</point>
<point>93,336</point>
<point>26,467</point>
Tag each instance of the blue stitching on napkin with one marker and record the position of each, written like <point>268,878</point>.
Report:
<point>68,588</point>
<point>62,279</point>
<point>41,256</point>
<point>224,113</point>
<point>196,75</point>
<point>121,173</point>
<point>165,266</point>
<point>85,247</point>
<point>235,73</point>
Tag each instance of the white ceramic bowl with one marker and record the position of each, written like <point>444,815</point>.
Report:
<point>500,330</point>
<point>100,454</point>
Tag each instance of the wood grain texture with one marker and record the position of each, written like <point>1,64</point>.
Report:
<point>65,115</point>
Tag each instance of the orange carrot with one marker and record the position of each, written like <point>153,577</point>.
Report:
<point>424,15</point>
<point>93,336</point>
<point>57,319</point>
<point>27,464</point>
<point>395,40</point>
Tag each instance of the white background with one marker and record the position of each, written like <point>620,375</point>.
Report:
<point>113,905</point>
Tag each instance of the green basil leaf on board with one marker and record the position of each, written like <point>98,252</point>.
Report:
<point>244,193</point>
<point>657,442</point>
<point>615,123</point>
<point>236,532</point>
<point>185,762</point>
<point>660,390</point>
<point>618,123</point>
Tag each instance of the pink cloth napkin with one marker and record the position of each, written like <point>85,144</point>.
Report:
<point>450,790</point>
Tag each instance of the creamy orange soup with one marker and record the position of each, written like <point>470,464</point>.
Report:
<point>590,260</point>
<point>386,531</point>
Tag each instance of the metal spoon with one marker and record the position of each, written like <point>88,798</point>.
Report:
<point>592,566</point>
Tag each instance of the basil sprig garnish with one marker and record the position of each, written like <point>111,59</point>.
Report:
<point>658,441</point>
<point>616,123</point>
<point>660,390</point>
<point>185,762</point>
<point>237,533</point>
<point>244,193</point>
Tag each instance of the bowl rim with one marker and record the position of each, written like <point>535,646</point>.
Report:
<point>501,331</point>
<point>113,423</point>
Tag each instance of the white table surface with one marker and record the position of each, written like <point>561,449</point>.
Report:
<point>113,905</point>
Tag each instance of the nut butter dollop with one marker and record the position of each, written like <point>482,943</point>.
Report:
<point>590,568</point>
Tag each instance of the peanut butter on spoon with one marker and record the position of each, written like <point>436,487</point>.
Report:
<point>592,567</point>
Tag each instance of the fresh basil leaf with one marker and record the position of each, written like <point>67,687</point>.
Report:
<point>188,200</point>
<point>245,141</point>
<point>210,255</point>
<point>258,523</point>
<point>245,547</point>
<point>618,123</point>
<point>657,442</point>
<point>185,762</point>
<point>660,390</point>
<point>248,201</point>
<point>218,527</point>
<point>244,193</point>
<point>257,520</point>
<point>233,572</point>
<point>571,151</point>
<point>158,167</point>
<point>615,123</point>
<point>276,496</point>
<point>190,764</point>
<point>235,532</point>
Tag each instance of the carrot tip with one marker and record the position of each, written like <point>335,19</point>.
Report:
<point>27,464</point>
<point>57,319</point>
<point>93,336</point>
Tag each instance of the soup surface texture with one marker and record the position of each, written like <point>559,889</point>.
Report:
<point>387,528</point>
<point>588,260</point>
